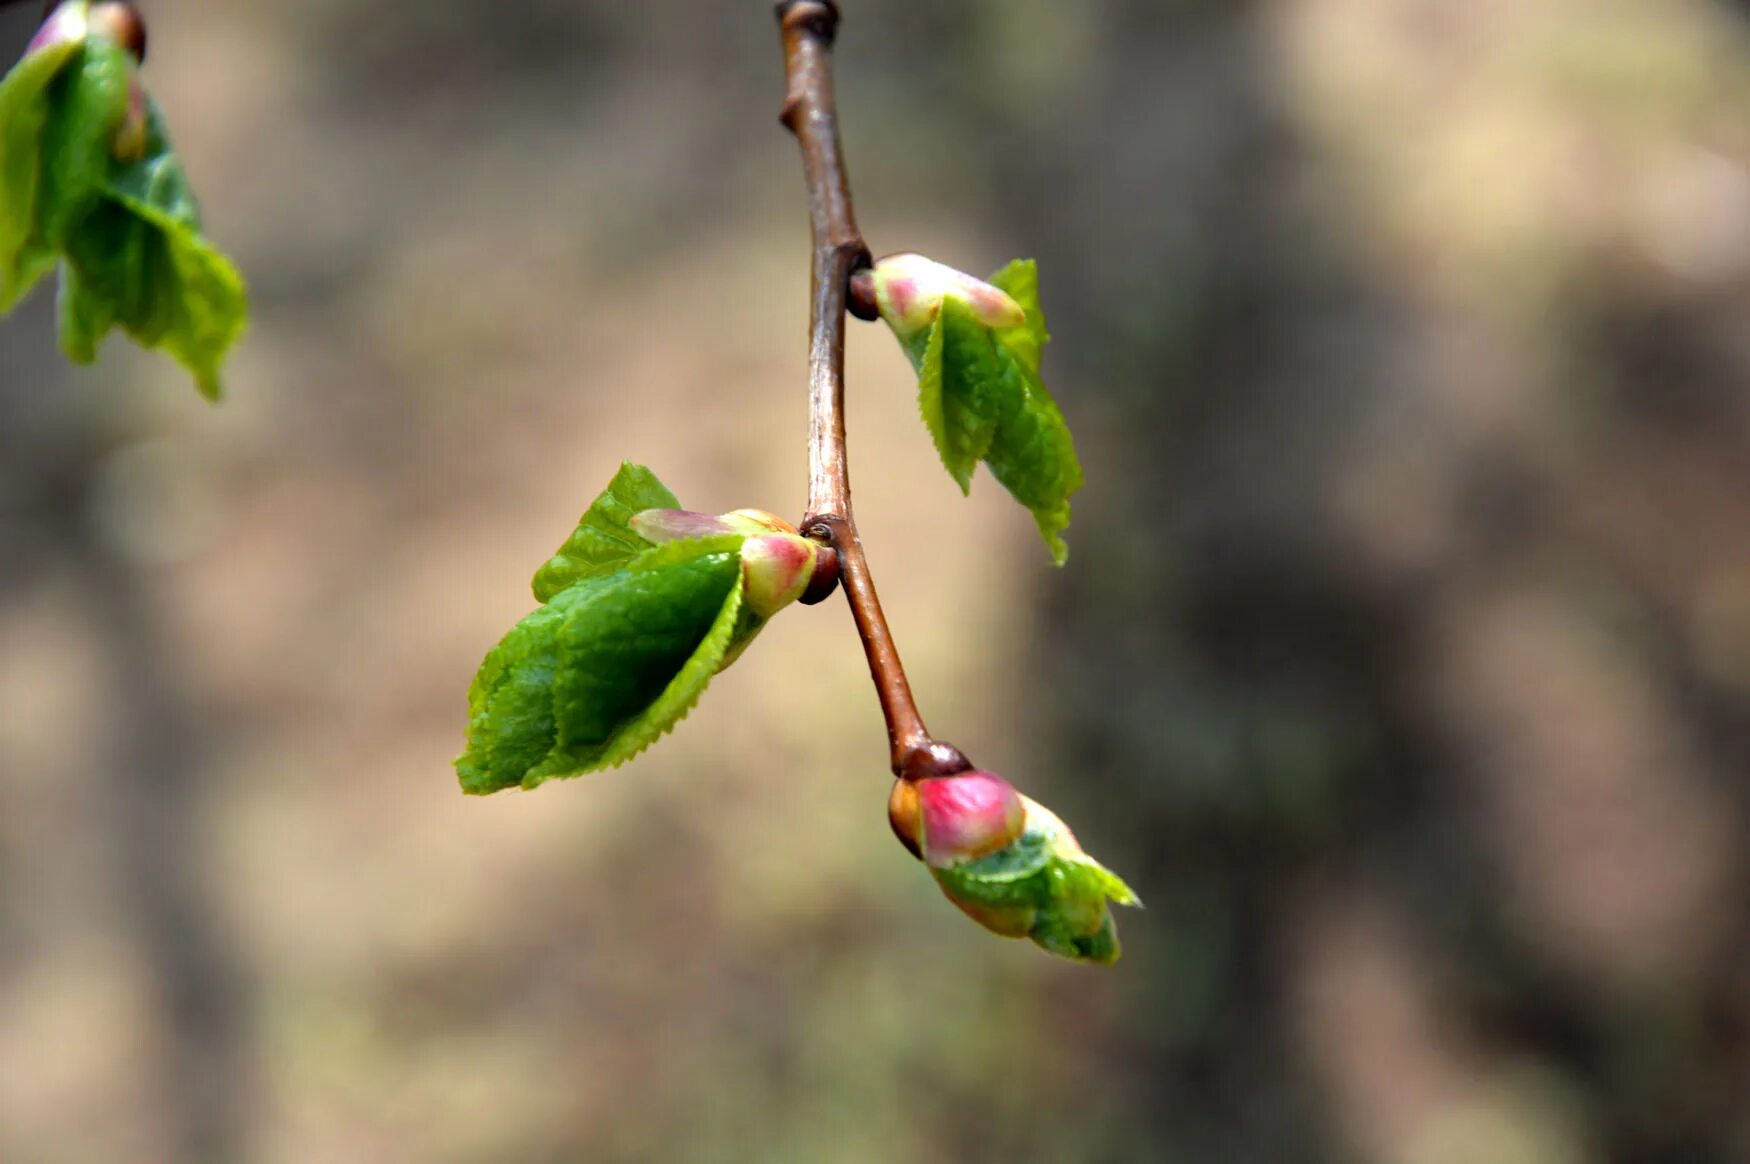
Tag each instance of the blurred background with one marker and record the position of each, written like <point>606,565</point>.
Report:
<point>1402,662</point>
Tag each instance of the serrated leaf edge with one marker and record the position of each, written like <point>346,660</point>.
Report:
<point>722,628</point>
<point>635,546</point>
<point>686,689</point>
<point>932,410</point>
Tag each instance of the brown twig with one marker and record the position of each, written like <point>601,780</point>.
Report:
<point>807,28</point>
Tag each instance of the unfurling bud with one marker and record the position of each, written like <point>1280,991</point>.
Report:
<point>909,290</point>
<point>778,564</point>
<point>122,23</point>
<point>1009,863</point>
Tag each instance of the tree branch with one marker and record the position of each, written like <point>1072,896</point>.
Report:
<point>807,29</point>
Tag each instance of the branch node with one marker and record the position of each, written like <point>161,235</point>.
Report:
<point>819,18</point>
<point>930,760</point>
<point>860,295</point>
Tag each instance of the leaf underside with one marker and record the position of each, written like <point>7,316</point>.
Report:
<point>981,398</point>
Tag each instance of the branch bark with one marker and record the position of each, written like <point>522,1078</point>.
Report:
<point>807,28</point>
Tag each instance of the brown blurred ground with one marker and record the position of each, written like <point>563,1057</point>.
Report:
<point>1403,660</point>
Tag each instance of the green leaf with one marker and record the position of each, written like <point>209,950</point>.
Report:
<point>981,398</point>
<point>1021,280</point>
<point>604,540</point>
<point>131,263</point>
<point>127,231</point>
<point>1033,455</point>
<point>643,630</point>
<point>969,378</point>
<point>25,255</point>
<point>88,103</point>
<point>605,668</point>
<point>511,725</point>
<point>1099,946</point>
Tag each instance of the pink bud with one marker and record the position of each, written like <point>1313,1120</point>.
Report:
<point>775,569</point>
<point>909,290</point>
<point>965,817</point>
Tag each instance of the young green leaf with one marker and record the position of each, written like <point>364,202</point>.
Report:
<point>961,390</point>
<point>511,725</point>
<point>1032,454</point>
<point>1020,280</point>
<point>88,107</point>
<point>604,668</point>
<point>637,654</point>
<point>87,174</point>
<point>604,539</point>
<point>979,389</point>
<point>25,254</point>
<point>640,607</point>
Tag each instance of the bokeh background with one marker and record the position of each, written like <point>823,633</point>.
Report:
<point>1402,663</point>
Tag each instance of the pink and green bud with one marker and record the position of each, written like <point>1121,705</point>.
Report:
<point>909,290</point>
<point>68,22</point>
<point>775,571</point>
<point>778,564</point>
<point>1010,864</point>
